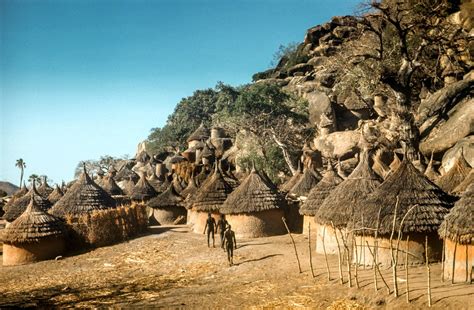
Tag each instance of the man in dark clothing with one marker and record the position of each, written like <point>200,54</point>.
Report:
<point>230,243</point>
<point>221,226</point>
<point>211,227</point>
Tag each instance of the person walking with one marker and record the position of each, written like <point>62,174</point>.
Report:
<point>222,226</point>
<point>230,244</point>
<point>211,227</point>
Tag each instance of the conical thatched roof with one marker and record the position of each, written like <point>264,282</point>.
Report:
<point>317,195</point>
<point>177,184</point>
<point>462,187</point>
<point>44,189</point>
<point>212,194</point>
<point>379,166</point>
<point>455,175</point>
<point>340,205</point>
<point>201,177</point>
<point>83,196</point>
<point>305,183</point>
<point>14,208</point>
<point>23,191</point>
<point>458,225</point>
<point>412,188</point>
<point>126,173</point>
<point>288,185</point>
<point>127,186</point>
<point>155,181</point>
<point>201,133</point>
<point>55,195</point>
<point>430,172</point>
<point>168,199</point>
<point>143,190</point>
<point>109,185</point>
<point>33,225</point>
<point>255,194</point>
<point>191,189</point>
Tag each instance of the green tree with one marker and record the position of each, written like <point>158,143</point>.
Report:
<point>20,163</point>
<point>34,177</point>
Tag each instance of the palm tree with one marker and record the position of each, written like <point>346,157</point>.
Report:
<point>22,165</point>
<point>34,177</point>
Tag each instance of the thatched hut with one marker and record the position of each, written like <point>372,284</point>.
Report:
<point>167,207</point>
<point>21,192</point>
<point>413,197</point>
<point>457,230</point>
<point>462,187</point>
<point>127,186</point>
<point>155,181</point>
<point>55,195</point>
<point>208,199</point>
<point>317,195</point>
<point>126,174</point>
<point>288,185</point>
<point>191,189</point>
<point>33,236</point>
<point>84,196</point>
<point>109,185</point>
<point>15,207</point>
<point>341,204</point>
<point>458,172</point>
<point>202,133</point>
<point>305,183</point>
<point>255,208</point>
<point>44,189</point>
<point>143,191</point>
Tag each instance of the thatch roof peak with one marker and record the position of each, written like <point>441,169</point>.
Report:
<point>212,193</point>
<point>83,196</point>
<point>410,187</point>
<point>288,185</point>
<point>455,175</point>
<point>201,133</point>
<point>430,172</point>
<point>44,189</point>
<point>110,186</point>
<point>462,187</point>
<point>341,203</point>
<point>255,194</point>
<point>33,225</point>
<point>15,207</point>
<point>55,195</point>
<point>458,225</point>
<point>305,183</point>
<point>143,190</point>
<point>168,199</point>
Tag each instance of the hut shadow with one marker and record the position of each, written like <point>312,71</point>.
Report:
<point>249,244</point>
<point>257,259</point>
<point>155,230</point>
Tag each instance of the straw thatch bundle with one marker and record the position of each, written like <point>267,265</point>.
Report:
<point>255,194</point>
<point>395,163</point>
<point>288,185</point>
<point>168,199</point>
<point>305,183</point>
<point>15,207</point>
<point>44,189</point>
<point>459,223</point>
<point>143,191</point>
<point>317,195</point>
<point>109,185</point>
<point>412,188</point>
<point>455,175</point>
<point>126,173</point>
<point>55,195</point>
<point>341,204</point>
<point>84,196</point>
<point>212,193</point>
<point>462,187</point>
<point>32,225</point>
<point>200,134</point>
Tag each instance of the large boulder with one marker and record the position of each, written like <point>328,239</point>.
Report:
<point>459,125</point>
<point>340,144</point>
<point>300,68</point>
<point>464,147</point>
<point>318,104</point>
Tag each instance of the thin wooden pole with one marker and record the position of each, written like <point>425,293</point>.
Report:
<point>309,245</point>
<point>294,245</point>
<point>377,268</point>
<point>467,262</point>
<point>428,271</point>
<point>325,255</point>
<point>341,277</point>
<point>346,249</point>
<point>374,255</point>
<point>356,275</point>
<point>394,260</point>
<point>454,260</point>
<point>406,269</point>
<point>362,243</point>
<point>443,257</point>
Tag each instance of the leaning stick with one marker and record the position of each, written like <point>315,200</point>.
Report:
<point>377,268</point>
<point>374,255</point>
<point>309,245</point>
<point>443,257</point>
<point>341,277</point>
<point>356,276</point>
<point>428,271</point>
<point>362,243</point>
<point>454,260</point>
<point>394,259</point>
<point>346,249</point>
<point>325,255</point>
<point>294,245</point>
<point>406,270</point>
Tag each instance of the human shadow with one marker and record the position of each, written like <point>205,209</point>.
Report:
<point>257,259</point>
<point>249,244</point>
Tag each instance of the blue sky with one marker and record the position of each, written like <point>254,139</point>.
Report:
<point>85,78</point>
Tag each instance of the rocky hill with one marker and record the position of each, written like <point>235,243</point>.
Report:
<point>8,187</point>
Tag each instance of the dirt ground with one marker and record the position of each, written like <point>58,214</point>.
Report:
<point>173,268</point>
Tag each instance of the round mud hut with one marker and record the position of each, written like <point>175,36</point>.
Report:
<point>208,199</point>
<point>143,191</point>
<point>167,208</point>
<point>33,236</point>
<point>457,230</point>
<point>342,203</point>
<point>15,207</point>
<point>55,195</point>
<point>255,208</point>
<point>317,195</point>
<point>408,202</point>
<point>84,196</point>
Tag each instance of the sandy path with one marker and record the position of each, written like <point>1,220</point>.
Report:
<point>174,268</point>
